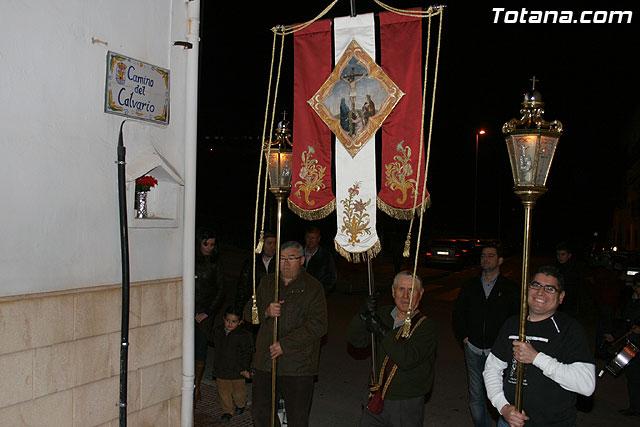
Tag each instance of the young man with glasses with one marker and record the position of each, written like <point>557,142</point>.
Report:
<point>301,310</point>
<point>556,357</point>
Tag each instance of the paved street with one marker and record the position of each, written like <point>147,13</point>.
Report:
<point>344,371</point>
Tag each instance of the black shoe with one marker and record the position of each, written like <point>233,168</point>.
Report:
<point>630,412</point>
<point>239,411</point>
<point>226,417</point>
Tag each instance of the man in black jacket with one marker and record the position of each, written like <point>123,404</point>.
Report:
<point>264,265</point>
<point>483,304</point>
<point>319,261</point>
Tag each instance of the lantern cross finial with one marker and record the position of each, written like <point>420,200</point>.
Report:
<point>534,80</point>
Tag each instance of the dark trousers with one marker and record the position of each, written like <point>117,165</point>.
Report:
<point>396,413</point>
<point>297,393</point>
<point>200,340</point>
<point>633,382</point>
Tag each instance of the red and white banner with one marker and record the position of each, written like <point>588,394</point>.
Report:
<point>355,173</point>
<point>311,194</point>
<point>401,60</point>
<point>355,100</point>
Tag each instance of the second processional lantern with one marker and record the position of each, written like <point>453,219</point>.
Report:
<point>531,142</point>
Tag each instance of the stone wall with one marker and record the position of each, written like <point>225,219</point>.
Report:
<point>60,357</point>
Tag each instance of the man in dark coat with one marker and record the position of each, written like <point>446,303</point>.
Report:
<point>319,261</point>
<point>405,365</point>
<point>301,310</point>
<point>264,264</point>
<point>572,277</point>
<point>483,304</point>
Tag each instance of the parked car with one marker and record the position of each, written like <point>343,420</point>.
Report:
<point>458,252</point>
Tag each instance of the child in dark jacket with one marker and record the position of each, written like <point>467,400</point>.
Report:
<point>232,359</point>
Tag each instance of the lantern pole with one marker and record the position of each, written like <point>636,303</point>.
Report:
<point>280,195</point>
<point>528,200</point>
<point>531,142</point>
<point>279,170</point>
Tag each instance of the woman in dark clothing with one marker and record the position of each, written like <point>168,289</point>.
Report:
<point>209,290</point>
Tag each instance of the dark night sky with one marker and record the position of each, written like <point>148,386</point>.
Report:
<point>585,75</point>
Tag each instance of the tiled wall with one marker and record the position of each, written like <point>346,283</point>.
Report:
<point>60,357</point>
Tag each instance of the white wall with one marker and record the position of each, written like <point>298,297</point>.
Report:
<point>59,224</point>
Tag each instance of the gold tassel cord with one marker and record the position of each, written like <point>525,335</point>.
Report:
<point>290,29</point>
<point>260,244</point>
<point>282,31</point>
<point>433,99</point>
<point>256,319</point>
<point>407,246</point>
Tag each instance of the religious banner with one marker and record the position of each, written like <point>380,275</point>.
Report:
<point>136,89</point>
<point>358,84</point>
<point>401,59</point>
<point>311,186</point>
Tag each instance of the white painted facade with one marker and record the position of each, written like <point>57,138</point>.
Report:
<point>59,222</point>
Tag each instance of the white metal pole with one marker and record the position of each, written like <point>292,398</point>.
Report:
<point>190,158</point>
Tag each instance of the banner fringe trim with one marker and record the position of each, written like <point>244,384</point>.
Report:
<point>405,214</point>
<point>314,214</point>
<point>356,257</point>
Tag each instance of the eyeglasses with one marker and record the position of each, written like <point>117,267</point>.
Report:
<point>290,259</point>
<point>547,288</point>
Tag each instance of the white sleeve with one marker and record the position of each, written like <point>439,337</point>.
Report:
<point>579,377</point>
<point>492,374</point>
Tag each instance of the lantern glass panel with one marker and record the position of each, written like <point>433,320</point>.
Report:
<point>546,151</point>
<point>279,164</point>
<point>524,154</point>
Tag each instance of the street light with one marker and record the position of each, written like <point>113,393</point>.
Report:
<point>475,191</point>
<point>278,155</point>
<point>531,142</point>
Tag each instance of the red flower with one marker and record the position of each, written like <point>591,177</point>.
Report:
<point>144,183</point>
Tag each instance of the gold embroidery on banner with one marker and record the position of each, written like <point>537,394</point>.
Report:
<point>312,175</point>
<point>398,172</point>
<point>355,217</point>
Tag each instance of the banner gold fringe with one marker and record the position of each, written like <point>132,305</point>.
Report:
<point>356,257</point>
<point>312,215</point>
<point>405,214</point>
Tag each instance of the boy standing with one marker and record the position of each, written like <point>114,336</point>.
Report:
<point>233,350</point>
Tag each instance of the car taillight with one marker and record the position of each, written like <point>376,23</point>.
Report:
<point>428,253</point>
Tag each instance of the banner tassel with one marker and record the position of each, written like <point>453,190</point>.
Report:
<point>406,328</point>
<point>258,249</point>
<point>255,317</point>
<point>407,246</point>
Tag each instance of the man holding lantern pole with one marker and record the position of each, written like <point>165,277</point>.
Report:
<point>556,358</point>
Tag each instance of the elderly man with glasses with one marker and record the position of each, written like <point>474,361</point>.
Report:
<point>302,312</point>
<point>557,361</point>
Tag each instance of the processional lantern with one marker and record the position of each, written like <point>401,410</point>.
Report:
<point>531,142</point>
<point>278,156</point>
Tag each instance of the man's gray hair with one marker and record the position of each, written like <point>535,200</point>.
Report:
<point>293,244</point>
<point>409,274</point>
